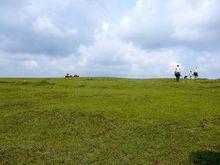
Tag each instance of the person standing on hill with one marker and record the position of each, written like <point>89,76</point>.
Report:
<point>190,74</point>
<point>177,73</point>
<point>196,73</point>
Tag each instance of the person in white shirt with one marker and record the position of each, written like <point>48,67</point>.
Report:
<point>177,73</point>
<point>196,73</point>
<point>190,74</point>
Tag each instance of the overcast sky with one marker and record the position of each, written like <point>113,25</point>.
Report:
<point>119,38</point>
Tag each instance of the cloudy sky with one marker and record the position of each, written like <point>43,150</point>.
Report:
<point>119,38</point>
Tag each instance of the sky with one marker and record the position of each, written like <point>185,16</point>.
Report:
<point>117,38</point>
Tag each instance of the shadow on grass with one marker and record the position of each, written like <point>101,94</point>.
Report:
<point>205,158</point>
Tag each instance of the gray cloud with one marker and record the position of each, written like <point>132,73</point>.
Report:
<point>19,25</point>
<point>155,24</point>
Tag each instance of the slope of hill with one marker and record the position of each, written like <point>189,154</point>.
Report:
<point>109,121</point>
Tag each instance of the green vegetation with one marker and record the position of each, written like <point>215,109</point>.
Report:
<point>109,121</point>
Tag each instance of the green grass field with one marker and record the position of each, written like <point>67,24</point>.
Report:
<point>109,121</point>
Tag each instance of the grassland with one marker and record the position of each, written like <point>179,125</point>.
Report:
<point>109,121</point>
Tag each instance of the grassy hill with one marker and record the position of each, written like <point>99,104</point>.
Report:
<point>109,121</point>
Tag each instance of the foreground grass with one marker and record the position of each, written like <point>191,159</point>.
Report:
<point>109,121</point>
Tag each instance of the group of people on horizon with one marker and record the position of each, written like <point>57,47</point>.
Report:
<point>194,73</point>
<point>69,75</point>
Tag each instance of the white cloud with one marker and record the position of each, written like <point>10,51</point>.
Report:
<point>209,65</point>
<point>30,64</point>
<point>105,26</point>
<point>110,56</point>
<point>45,25</point>
<point>156,23</point>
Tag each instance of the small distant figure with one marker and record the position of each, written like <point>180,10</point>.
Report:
<point>177,73</point>
<point>190,74</point>
<point>70,76</point>
<point>76,75</point>
<point>185,77</point>
<point>196,73</point>
<point>67,75</point>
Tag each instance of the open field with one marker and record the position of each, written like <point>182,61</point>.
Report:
<point>109,121</point>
